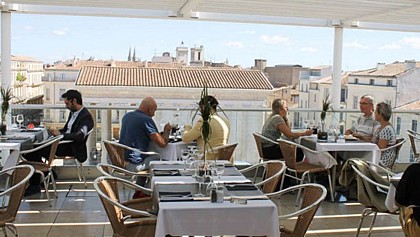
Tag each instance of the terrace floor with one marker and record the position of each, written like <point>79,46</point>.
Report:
<point>78,212</point>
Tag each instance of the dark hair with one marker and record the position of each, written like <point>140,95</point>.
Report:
<point>211,100</point>
<point>73,94</point>
<point>384,110</point>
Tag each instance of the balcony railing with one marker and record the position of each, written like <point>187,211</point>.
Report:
<point>244,121</point>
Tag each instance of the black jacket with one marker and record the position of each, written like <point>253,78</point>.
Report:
<point>408,189</point>
<point>78,146</point>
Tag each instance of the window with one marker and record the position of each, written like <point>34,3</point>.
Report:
<point>343,95</point>
<point>355,102</point>
<point>372,82</point>
<point>389,82</point>
<point>315,98</point>
<point>356,80</point>
<point>62,117</point>
<point>398,130</point>
<point>62,91</point>
<point>414,125</point>
<point>47,94</point>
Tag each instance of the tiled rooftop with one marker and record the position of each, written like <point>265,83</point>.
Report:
<point>227,78</point>
<point>412,105</point>
<point>77,64</point>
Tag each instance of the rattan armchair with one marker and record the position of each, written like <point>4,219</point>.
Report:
<point>271,175</point>
<point>414,139</point>
<point>125,220</point>
<point>224,152</point>
<point>313,195</point>
<point>44,167</point>
<point>17,177</point>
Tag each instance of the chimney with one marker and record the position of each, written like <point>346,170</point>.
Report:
<point>380,66</point>
<point>409,64</point>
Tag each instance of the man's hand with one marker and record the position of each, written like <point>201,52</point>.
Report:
<point>167,128</point>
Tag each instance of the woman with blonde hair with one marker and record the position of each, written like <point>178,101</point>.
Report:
<point>275,126</point>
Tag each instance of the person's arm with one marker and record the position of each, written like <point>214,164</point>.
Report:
<point>284,129</point>
<point>82,125</point>
<point>191,134</point>
<point>348,132</point>
<point>162,140</point>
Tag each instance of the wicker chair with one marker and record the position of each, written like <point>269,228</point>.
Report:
<point>17,177</point>
<point>372,189</point>
<point>397,146</point>
<point>314,162</point>
<point>79,166</point>
<point>414,138</point>
<point>313,195</point>
<point>116,153</point>
<point>272,174</point>
<point>125,220</point>
<point>258,138</point>
<point>44,167</point>
<point>224,152</point>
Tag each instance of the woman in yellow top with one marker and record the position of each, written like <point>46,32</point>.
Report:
<point>220,129</point>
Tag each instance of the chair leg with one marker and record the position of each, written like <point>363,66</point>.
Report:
<point>78,169</point>
<point>82,170</point>
<point>4,231</point>
<point>12,228</point>
<point>53,183</point>
<point>366,212</point>
<point>44,180</point>
<point>302,179</point>
<point>331,187</point>
<point>373,222</point>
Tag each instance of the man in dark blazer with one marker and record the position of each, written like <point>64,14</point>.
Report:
<point>76,129</point>
<point>79,123</point>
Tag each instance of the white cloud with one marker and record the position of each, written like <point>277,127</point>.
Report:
<point>234,44</point>
<point>275,39</point>
<point>61,32</point>
<point>308,49</point>
<point>391,46</point>
<point>412,41</point>
<point>355,45</point>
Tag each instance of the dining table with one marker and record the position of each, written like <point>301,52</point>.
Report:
<point>172,151</point>
<point>180,211</point>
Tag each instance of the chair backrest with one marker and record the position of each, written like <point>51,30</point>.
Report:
<point>107,189</point>
<point>313,195</point>
<point>372,188</point>
<point>258,140</point>
<point>116,154</point>
<point>273,173</point>
<point>413,138</point>
<point>52,142</point>
<point>224,152</point>
<point>288,151</point>
<point>19,178</point>
<point>397,147</point>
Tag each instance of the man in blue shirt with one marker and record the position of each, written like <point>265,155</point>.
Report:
<point>138,129</point>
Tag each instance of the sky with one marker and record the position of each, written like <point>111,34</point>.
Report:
<point>50,38</point>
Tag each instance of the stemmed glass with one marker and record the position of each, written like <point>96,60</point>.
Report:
<point>220,169</point>
<point>200,176</point>
<point>185,154</point>
<point>305,123</point>
<point>20,119</point>
<point>14,125</point>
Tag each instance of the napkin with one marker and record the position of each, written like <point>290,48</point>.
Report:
<point>166,173</point>
<point>236,187</point>
<point>175,196</point>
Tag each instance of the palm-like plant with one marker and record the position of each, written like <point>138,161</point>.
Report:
<point>326,106</point>
<point>6,96</point>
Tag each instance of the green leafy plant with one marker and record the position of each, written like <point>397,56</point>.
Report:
<point>20,77</point>
<point>326,106</point>
<point>6,96</point>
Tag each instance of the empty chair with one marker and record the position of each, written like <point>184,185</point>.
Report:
<point>372,189</point>
<point>16,178</point>
<point>79,165</point>
<point>414,138</point>
<point>397,147</point>
<point>313,195</point>
<point>224,152</point>
<point>44,167</point>
<point>125,221</point>
<point>271,175</point>
<point>314,162</point>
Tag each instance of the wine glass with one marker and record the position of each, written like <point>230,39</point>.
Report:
<point>199,176</point>
<point>220,169</point>
<point>20,119</point>
<point>305,123</point>
<point>185,154</point>
<point>14,125</point>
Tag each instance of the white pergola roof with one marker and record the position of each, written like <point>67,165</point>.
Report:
<point>398,15</point>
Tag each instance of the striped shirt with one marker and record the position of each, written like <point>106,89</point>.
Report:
<point>365,126</point>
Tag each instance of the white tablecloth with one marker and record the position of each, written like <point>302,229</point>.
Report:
<point>257,218</point>
<point>9,154</point>
<point>390,197</point>
<point>172,151</point>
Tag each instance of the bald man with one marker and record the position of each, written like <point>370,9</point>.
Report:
<point>137,129</point>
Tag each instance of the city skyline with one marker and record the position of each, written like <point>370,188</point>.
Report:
<point>54,38</point>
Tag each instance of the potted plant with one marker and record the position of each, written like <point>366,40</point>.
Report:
<point>326,106</point>
<point>6,96</point>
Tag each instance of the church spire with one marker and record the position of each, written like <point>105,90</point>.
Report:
<point>129,55</point>
<point>134,55</point>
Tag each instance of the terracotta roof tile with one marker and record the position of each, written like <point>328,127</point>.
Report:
<point>164,77</point>
<point>393,69</point>
<point>107,63</point>
<point>412,105</point>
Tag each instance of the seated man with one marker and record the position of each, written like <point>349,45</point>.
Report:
<point>137,129</point>
<point>407,194</point>
<point>79,123</point>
